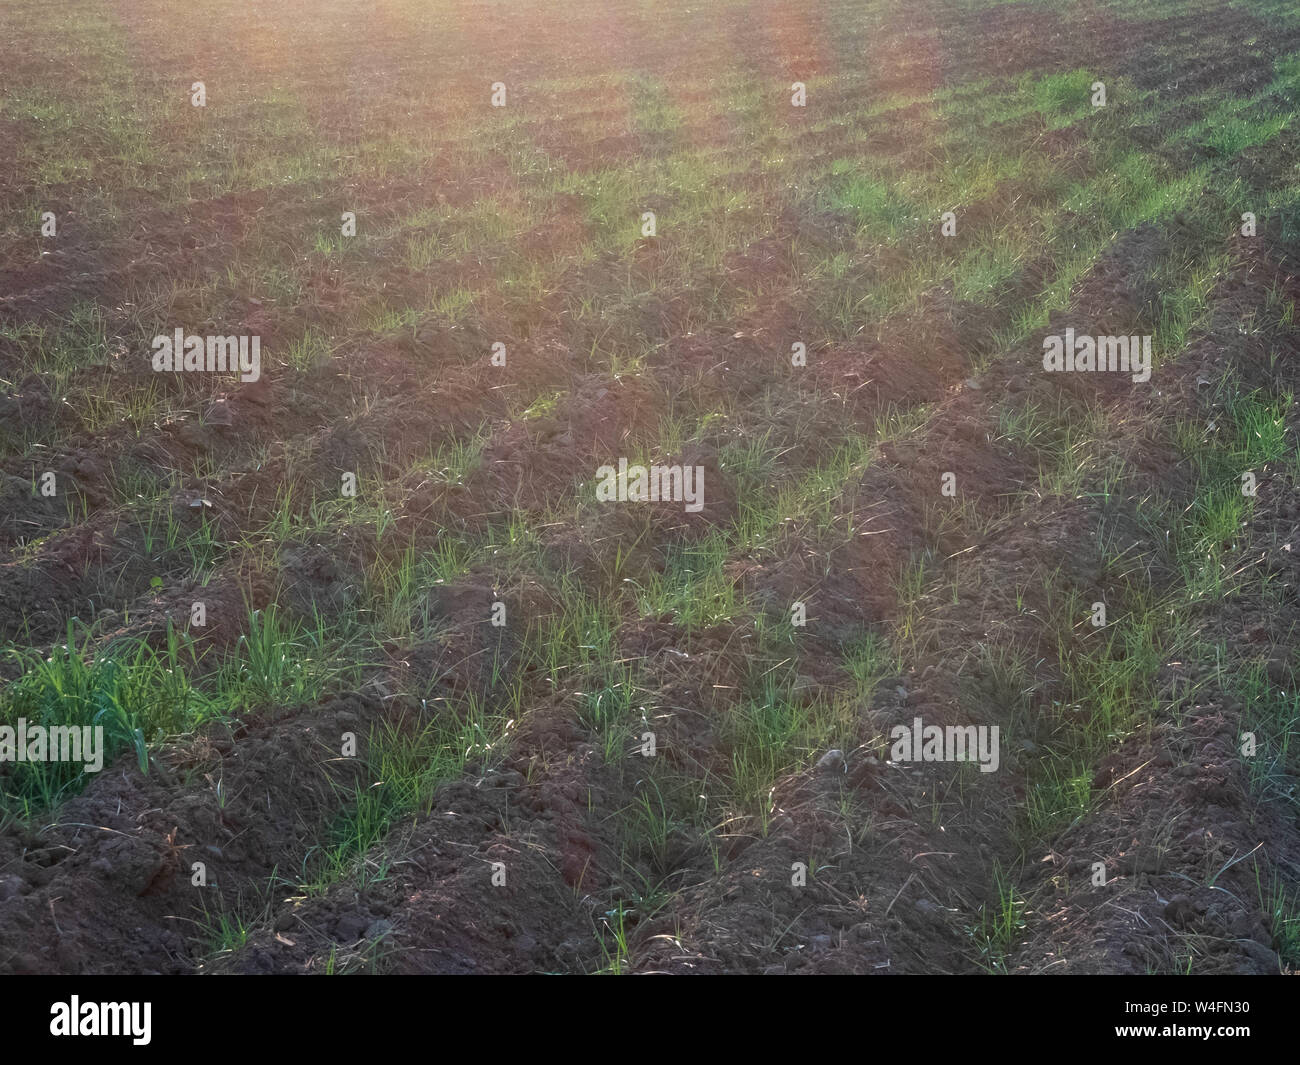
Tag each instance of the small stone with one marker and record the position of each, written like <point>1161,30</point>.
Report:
<point>378,929</point>
<point>832,761</point>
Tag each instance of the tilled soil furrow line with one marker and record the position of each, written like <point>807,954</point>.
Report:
<point>1166,872</point>
<point>110,881</point>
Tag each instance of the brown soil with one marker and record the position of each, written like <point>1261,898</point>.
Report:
<point>901,856</point>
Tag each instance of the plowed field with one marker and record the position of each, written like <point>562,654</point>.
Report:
<point>387,682</point>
